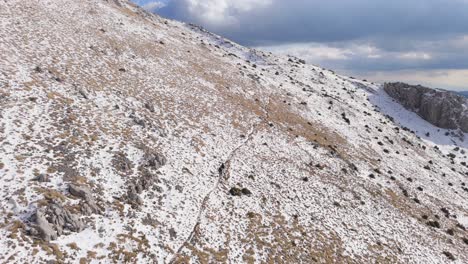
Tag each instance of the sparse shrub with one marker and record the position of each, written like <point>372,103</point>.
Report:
<point>234,191</point>
<point>465,240</point>
<point>434,224</point>
<point>450,232</point>
<point>346,119</point>
<point>246,191</point>
<point>445,211</point>
<point>449,255</point>
<point>405,192</point>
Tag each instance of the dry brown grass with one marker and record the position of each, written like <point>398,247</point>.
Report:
<point>51,170</point>
<point>50,194</point>
<point>20,158</point>
<point>73,246</point>
<point>51,249</point>
<point>91,254</point>
<point>15,228</point>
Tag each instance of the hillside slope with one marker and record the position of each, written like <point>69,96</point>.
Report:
<point>125,137</point>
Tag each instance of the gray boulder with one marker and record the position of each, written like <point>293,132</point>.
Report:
<point>61,218</point>
<point>441,108</point>
<point>46,232</point>
<point>80,191</point>
<point>88,205</point>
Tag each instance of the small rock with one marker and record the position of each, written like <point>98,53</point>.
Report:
<point>42,178</point>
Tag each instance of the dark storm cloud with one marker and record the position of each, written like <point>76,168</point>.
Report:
<point>357,36</point>
<point>335,20</point>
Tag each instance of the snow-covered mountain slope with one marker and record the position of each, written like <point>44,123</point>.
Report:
<point>125,137</point>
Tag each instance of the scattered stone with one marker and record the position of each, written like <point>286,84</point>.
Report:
<point>42,178</point>
<point>234,191</point>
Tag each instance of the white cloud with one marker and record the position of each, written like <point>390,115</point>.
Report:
<point>218,13</point>
<point>347,36</point>
<point>415,56</point>
<point>353,54</point>
<point>319,53</point>
<point>153,6</point>
<point>440,78</point>
<point>310,51</point>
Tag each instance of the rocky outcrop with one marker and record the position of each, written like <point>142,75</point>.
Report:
<point>56,218</point>
<point>44,228</point>
<point>153,160</point>
<point>88,205</point>
<point>53,220</point>
<point>441,108</point>
<point>146,178</point>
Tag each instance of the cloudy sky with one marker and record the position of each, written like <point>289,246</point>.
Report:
<point>417,41</point>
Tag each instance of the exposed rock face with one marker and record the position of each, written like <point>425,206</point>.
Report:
<point>88,204</point>
<point>51,221</point>
<point>46,232</point>
<point>443,109</point>
<point>146,179</point>
<point>62,219</point>
<point>80,191</point>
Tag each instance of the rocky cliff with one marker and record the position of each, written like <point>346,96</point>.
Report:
<point>441,108</point>
<point>129,138</point>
